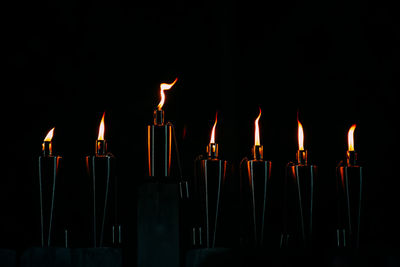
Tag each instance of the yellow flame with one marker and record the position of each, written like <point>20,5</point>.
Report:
<point>164,86</point>
<point>257,131</point>
<point>300,135</point>
<point>49,135</point>
<point>350,137</point>
<point>101,129</point>
<point>212,140</point>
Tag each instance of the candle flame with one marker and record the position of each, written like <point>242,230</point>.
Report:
<point>164,86</point>
<point>257,131</point>
<point>49,135</point>
<point>101,128</point>
<point>350,138</point>
<point>300,135</point>
<point>212,140</point>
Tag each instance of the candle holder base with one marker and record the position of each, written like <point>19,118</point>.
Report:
<point>160,236</point>
<point>51,222</point>
<point>258,201</point>
<point>349,187</point>
<point>210,175</point>
<point>106,229</point>
<point>300,185</point>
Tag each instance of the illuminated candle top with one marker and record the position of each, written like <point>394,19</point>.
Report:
<point>257,131</point>
<point>49,135</point>
<point>212,148</point>
<point>47,148</point>
<point>257,150</point>
<point>301,153</point>
<point>351,155</point>
<point>101,145</point>
<point>163,87</point>
<point>350,138</point>
<point>101,129</point>
<point>212,139</point>
<point>300,135</point>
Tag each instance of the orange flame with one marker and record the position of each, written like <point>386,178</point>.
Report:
<point>257,131</point>
<point>101,129</point>
<point>350,138</point>
<point>300,135</point>
<point>49,135</point>
<point>164,86</point>
<point>212,140</point>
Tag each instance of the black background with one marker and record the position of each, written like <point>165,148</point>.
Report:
<point>334,62</point>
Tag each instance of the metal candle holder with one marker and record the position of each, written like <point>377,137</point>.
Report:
<point>106,229</point>
<point>159,140</point>
<point>256,196</point>
<point>48,166</point>
<point>299,202</point>
<point>161,200</point>
<point>210,176</point>
<point>349,180</point>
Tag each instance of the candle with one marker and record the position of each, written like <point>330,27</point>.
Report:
<point>300,198</point>
<point>210,175</point>
<point>48,169</point>
<point>257,196</point>
<point>159,139</point>
<point>349,181</point>
<point>106,229</point>
<point>212,148</point>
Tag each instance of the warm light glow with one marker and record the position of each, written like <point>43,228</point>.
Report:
<point>257,131</point>
<point>49,135</point>
<point>212,140</point>
<point>350,138</point>
<point>300,135</point>
<point>101,129</point>
<point>164,86</point>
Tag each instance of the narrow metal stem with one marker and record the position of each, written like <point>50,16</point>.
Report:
<point>312,198</point>
<point>41,201</point>
<point>52,199</point>
<point>359,211</point>
<point>346,178</point>
<point>207,218</point>
<point>266,170</point>
<point>94,201</point>
<point>253,201</point>
<point>300,203</point>
<point>218,196</point>
<point>105,202</point>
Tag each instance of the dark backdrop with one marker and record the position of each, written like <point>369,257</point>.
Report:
<point>334,62</point>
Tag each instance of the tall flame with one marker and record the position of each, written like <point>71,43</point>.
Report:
<point>212,140</point>
<point>300,135</point>
<point>350,138</point>
<point>164,86</point>
<point>257,131</point>
<point>49,135</point>
<point>101,128</point>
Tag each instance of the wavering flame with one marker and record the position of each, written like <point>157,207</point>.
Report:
<point>300,135</point>
<point>350,137</point>
<point>101,129</point>
<point>257,131</point>
<point>49,135</point>
<point>212,140</point>
<point>164,86</point>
